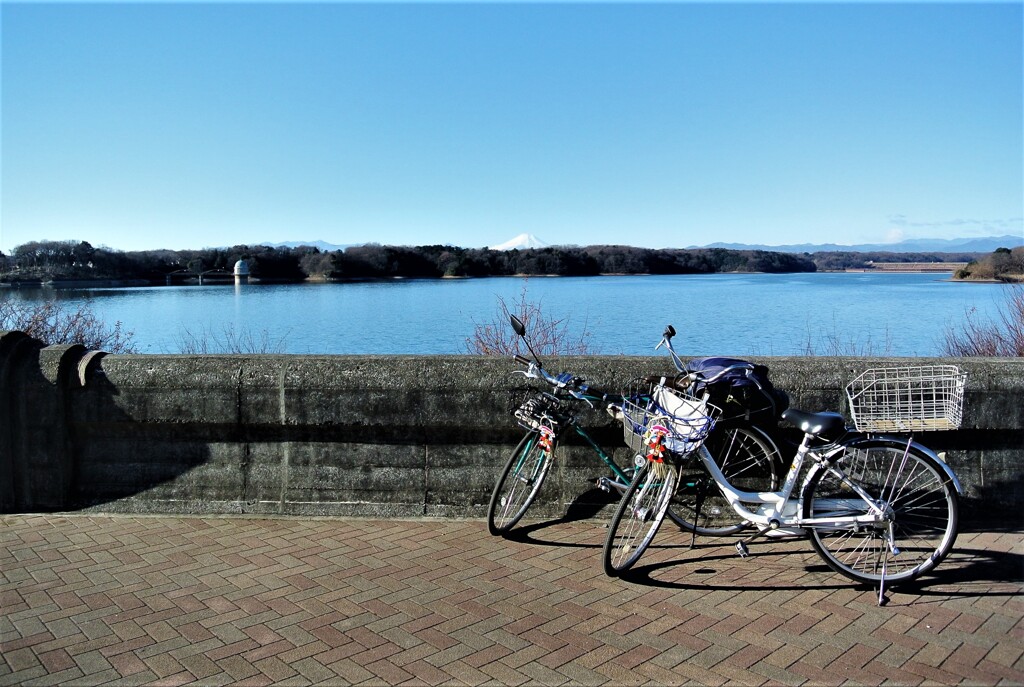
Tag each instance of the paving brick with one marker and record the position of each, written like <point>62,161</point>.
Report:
<point>349,671</point>
<point>294,601</point>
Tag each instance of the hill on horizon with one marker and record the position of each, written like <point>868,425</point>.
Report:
<point>985,244</point>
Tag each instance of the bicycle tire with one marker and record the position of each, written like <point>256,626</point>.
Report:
<point>748,458</point>
<point>637,518</point>
<point>519,484</point>
<point>916,493</point>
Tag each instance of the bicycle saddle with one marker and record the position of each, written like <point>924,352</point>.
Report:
<point>827,425</point>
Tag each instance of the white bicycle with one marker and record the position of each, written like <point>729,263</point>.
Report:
<point>878,508</point>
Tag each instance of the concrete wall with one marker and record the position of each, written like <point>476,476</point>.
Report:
<point>370,435</point>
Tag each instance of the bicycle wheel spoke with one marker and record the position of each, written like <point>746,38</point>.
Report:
<point>637,518</point>
<point>918,524</point>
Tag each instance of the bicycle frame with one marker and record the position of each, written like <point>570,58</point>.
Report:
<point>622,479</point>
<point>553,437</point>
<point>779,508</point>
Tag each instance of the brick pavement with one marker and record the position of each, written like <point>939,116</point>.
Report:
<point>204,600</point>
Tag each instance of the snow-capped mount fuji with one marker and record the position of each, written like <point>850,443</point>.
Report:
<point>520,242</point>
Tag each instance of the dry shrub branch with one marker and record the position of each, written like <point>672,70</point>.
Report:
<point>53,323</point>
<point>549,335</point>
<point>1003,337</point>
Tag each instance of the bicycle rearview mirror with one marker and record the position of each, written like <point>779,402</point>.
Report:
<point>518,325</point>
<point>670,331</point>
<point>520,329</point>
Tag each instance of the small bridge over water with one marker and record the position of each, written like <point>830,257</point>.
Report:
<point>218,275</point>
<point>215,276</point>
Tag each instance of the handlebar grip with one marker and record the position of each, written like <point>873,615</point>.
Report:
<point>521,359</point>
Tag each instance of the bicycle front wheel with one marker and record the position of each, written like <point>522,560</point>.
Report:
<point>749,460</point>
<point>638,516</point>
<point>920,506</point>
<point>519,484</point>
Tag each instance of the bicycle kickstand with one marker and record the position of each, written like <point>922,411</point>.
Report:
<point>882,598</point>
<point>741,546</point>
<point>702,490</point>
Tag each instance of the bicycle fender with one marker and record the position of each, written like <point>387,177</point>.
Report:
<point>900,442</point>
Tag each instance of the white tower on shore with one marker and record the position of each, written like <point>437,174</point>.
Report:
<point>241,272</point>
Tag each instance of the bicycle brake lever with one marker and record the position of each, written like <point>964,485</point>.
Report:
<point>579,396</point>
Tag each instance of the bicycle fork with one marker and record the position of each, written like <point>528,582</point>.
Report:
<point>546,441</point>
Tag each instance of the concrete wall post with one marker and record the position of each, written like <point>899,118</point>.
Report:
<point>35,439</point>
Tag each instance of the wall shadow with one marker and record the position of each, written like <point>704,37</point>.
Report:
<point>67,444</point>
<point>118,459</point>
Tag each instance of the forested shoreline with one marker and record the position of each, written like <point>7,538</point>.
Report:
<point>45,261</point>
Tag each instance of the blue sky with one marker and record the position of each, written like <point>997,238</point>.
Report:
<point>186,125</point>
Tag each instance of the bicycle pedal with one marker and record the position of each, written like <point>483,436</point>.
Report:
<point>742,549</point>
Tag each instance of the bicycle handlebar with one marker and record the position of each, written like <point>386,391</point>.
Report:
<point>568,381</point>
<point>694,375</point>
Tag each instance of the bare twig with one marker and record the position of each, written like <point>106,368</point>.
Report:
<point>1003,337</point>
<point>52,323</point>
<point>549,335</point>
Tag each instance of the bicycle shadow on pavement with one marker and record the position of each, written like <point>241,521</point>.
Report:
<point>965,573</point>
<point>974,572</point>
<point>585,506</point>
<point>704,570</point>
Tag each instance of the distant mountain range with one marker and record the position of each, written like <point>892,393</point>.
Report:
<point>985,244</point>
<point>322,245</point>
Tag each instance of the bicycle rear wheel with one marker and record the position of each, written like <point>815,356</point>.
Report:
<point>519,484</point>
<point>749,460</point>
<point>638,516</point>
<point>914,492</point>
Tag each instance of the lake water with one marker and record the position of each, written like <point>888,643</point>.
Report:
<point>720,314</point>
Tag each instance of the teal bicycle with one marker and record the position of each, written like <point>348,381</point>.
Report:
<point>743,451</point>
<point>547,417</point>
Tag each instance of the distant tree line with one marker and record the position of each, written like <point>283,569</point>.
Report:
<point>447,261</point>
<point>44,260</point>
<point>80,260</point>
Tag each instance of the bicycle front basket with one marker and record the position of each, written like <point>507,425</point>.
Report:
<point>540,411</point>
<point>683,420</point>
<point>907,399</point>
